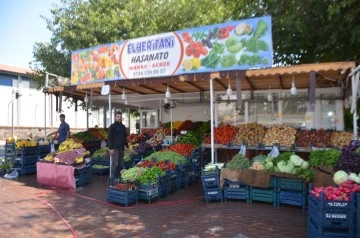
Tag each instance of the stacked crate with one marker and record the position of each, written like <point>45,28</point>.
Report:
<point>182,175</point>
<point>83,176</point>
<point>265,194</point>
<point>101,161</point>
<point>148,192</point>
<point>123,197</point>
<point>236,190</point>
<point>173,180</point>
<point>10,151</point>
<point>330,218</point>
<point>44,150</point>
<point>211,185</point>
<point>25,160</point>
<point>164,185</point>
<point>357,215</point>
<point>291,192</point>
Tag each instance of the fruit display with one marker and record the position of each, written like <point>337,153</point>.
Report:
<point>250,133</point>
<point>319,138</point>
<point>135,138</point>
<point>170,156</point>
<point>25,143</point>
<point>340,138</point>
<point>11,139</point>
<point>71,156</point>
<point>185,126</point>
<point>49,157</point>
<point>176,124</point>
<point>280,134</point>
<point>69,144</point>
<point>182,149</point>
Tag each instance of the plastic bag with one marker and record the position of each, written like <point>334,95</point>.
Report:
<point>243,150</point>
<point>52,148</point>
<point>274,152</point>
<point>103,144</point>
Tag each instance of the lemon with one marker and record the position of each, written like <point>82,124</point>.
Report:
<point>188,65</point>
<point>196,62</point>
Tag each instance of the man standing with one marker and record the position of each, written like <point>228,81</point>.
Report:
<point>64,130</point>
<point>117,140</point>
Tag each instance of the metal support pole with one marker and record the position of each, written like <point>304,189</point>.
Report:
<point>171,123</point>
<point>46,85</point>
<point>12,117</point>
<point>212,120</point>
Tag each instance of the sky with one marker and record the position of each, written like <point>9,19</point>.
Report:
<point>21,26</point>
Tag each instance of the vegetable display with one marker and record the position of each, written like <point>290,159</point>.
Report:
<point>223,134</point>
<point>319,138</point>
<point>101,153</point>
<point>185,126</point>
<point>132,174</point>
<point>320,158</point>
<point>151,175</point>
<point>349,160</point>
<point>281,134</point>
<point>189,138</point>
<point>251,133</point>
<point>87,137</point>
<point>238,162</point>
<point>340,138</point>
<point>341,193</point>
<point>182,149</point>
<point>170,156</point>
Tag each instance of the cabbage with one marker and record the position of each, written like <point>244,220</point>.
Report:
<point>340,177</point>
<point>353,177</point>
<point>305,165</point>
<point>297,161</point>
<point>269,165</point>
<point>285,166</point>
<point>269,159</point>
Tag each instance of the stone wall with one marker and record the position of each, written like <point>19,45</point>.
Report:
<point>23,132</point>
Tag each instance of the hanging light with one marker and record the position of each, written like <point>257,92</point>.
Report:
<point>229,91</point>
<point>269,96</point>
<point>293,90</point>
<point>123,95</point>
<point>86,100</point>
<point>126,101</point>
<point>166,100</point>
<point>167,94</point>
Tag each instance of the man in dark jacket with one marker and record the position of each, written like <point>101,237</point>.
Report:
<point>117,140</point>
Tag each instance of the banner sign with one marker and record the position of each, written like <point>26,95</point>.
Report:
<point>237,45</point>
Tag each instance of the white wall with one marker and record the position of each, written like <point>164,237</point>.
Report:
<point>194,112</point>
<point>29,110</point>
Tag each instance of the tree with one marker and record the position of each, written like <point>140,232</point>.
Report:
<point>304,31</point>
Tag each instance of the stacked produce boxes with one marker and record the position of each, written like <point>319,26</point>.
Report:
<point>211,185</point>
<point>330,218</point>
<point>265,194</point>
<point>292,192</point>
<point>83,176</point>
<point>25,160</point>
<point>236,190</point>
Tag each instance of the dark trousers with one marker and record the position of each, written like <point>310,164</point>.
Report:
<point>117,163</point>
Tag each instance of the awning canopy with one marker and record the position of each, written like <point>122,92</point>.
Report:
<point>327,75</point>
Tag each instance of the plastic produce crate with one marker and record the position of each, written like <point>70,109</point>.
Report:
<point>236,190</point>
<point>210,181</point>
<point>148,192</point>
<point>26,169</point>
<point>26,160</point>
<point>44,149</point>
<point>24,151</point>
<point>316,232</point>
<point>337,216</point>
<point>213,194</point>
<point>83,176</point>
<point>164,190</point>
<point>123,197</point>
<point>291,184</point>
<point>292,198</point>
<point>182,182</point>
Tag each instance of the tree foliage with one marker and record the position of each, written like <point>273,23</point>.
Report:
<point>304,31</point>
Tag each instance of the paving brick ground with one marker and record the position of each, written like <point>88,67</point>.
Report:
<point>181,214</point>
